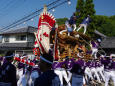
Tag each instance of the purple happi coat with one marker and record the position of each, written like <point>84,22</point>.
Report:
<point>81,63</point>
<point>107,62</point>
<point>94,44</point>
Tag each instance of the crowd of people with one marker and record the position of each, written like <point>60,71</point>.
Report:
<point>44,71</point>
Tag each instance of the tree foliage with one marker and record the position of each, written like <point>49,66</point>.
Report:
<point>103,24</point>
<point>80,11</point>
<point>61,21</point>
<point>89,8</point>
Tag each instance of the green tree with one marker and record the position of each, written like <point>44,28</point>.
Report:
<point>112,17</point>
<point>61,21</point>
<point>80,11</point>
<point>105,24</point>
<point>89,8</point>
<point>99,21</point>
<point>112,20</point>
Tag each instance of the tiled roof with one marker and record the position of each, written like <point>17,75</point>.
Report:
<point>28,29</point>
<point>17,45</point>
<point>108,42</point>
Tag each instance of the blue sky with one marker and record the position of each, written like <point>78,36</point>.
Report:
<point>12,10</point>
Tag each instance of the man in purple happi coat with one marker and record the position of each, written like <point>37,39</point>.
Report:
<point>94,47</point>
<point>107,62</point>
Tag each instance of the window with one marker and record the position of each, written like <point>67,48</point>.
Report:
<point>1,39</point>
<point>21,38</point>
<point>6,38</point>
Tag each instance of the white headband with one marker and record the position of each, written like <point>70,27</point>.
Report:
<point>45,60</point>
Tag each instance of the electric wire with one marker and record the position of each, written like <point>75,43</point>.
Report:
<point>34,13</point>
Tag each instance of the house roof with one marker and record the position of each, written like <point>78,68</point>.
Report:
<point>100,34</point>
<point>16,45</point>
<point>108,42</point>
<point>28,29</point>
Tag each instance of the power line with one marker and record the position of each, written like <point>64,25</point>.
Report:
<point>22,21</point>
<point>33,13</point>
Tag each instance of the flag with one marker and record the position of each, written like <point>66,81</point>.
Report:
<point>45,24</point>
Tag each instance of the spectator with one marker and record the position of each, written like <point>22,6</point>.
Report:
<point>9,71</point>
<point>48,77</point>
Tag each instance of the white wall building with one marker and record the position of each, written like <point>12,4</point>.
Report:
<point>19,41</point>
